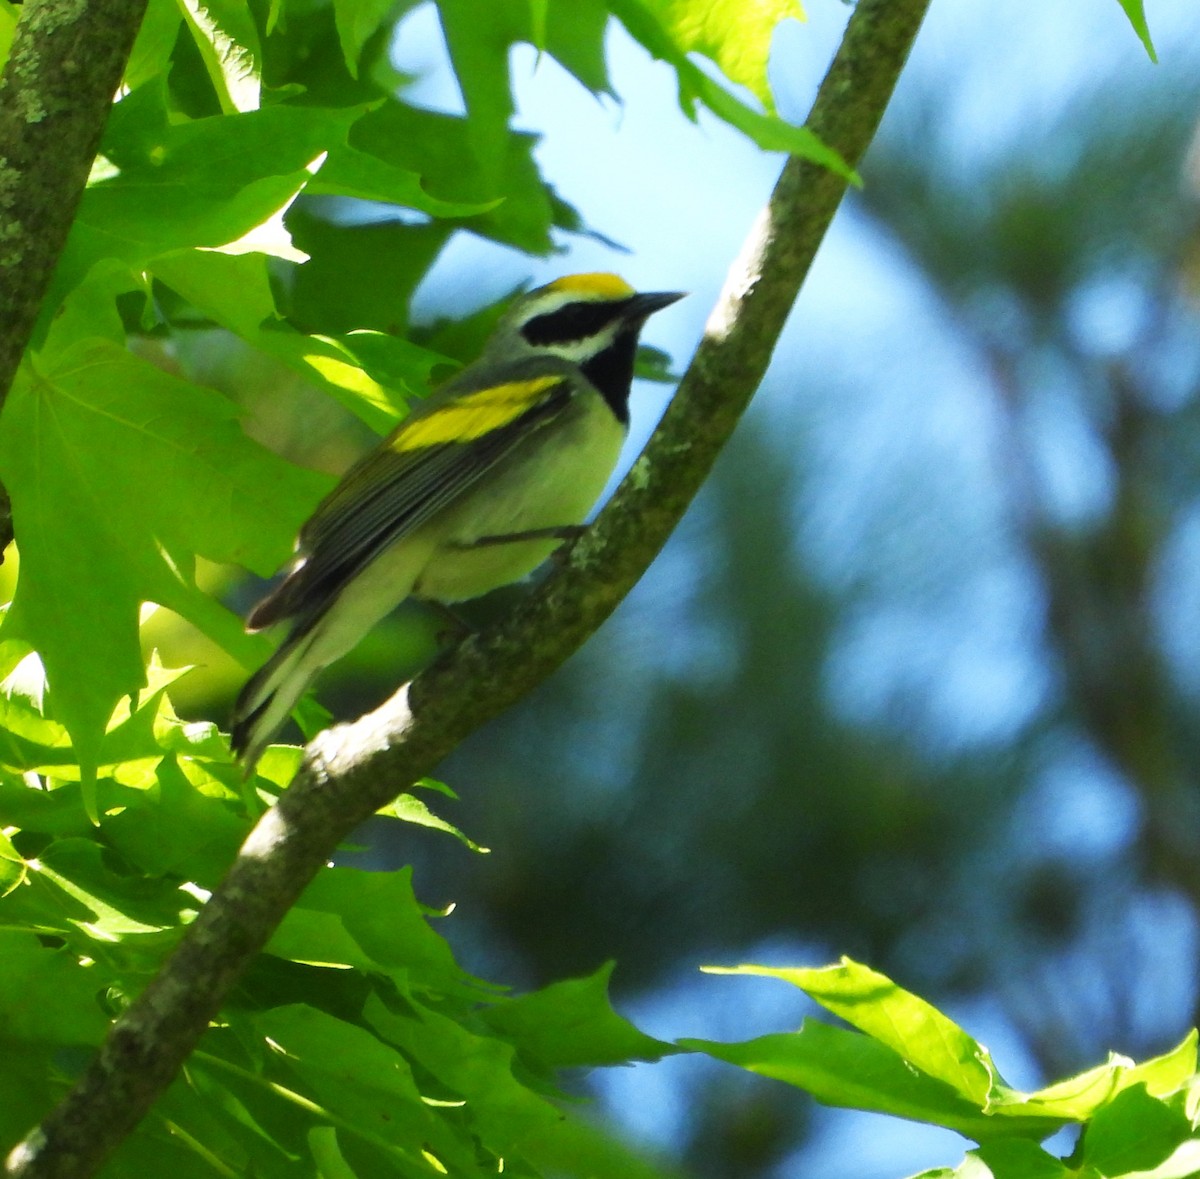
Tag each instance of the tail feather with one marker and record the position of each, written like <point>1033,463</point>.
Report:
<point>322,632</point>
<point>265,703</point>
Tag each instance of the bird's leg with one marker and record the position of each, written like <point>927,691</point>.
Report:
<point>561,532</point>
<point>455,625</point>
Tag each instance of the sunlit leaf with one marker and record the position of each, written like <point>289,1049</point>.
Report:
<point>1133,1132</point>
<point>1015,1158</point>
<point>845,1068</point>
<point>1181,1163</point>
<point>156,39</point>
<point>914,1029</point>
<point>1136,12</point>
<point>8,23</point>
<point>210,182</point>
<point>572,1024</point>
<point>12,866</point>
<point>178,829</point>
<point>120,470</point>
<point>373,375</point>
<point>767,130</point>
<point>736,34</point>
<point>227,40</point>
<point>1080,1096</point>
<point>118,906</point>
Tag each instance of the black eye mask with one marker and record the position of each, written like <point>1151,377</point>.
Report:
<point>576,321</point>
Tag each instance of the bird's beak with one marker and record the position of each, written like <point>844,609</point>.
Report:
<point>643,306</point>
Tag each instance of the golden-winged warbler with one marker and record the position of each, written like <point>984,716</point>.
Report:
<point>472,491</point>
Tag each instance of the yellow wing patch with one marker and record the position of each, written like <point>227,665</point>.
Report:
<point>474,415</point>
<point>601,286</point>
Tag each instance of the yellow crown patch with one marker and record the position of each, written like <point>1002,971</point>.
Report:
<point>598,285</point>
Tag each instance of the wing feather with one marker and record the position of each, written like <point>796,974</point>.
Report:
<point>403,482</point>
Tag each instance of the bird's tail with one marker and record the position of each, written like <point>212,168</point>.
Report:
<point>328,619</point>
<point>266,701</point>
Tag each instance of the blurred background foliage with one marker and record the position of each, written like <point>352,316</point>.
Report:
<point>917,679</point>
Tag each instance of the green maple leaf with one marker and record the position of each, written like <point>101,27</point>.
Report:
<point>120,476</point>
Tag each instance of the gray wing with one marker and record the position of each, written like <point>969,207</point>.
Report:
<point>389,493</point>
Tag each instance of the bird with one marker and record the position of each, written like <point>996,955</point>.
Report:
<point>473,490</point>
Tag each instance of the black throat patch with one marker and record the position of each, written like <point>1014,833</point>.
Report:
<point>611,371</point>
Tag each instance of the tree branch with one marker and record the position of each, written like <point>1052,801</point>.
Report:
<point>351,771</point>
<point>65,64</point>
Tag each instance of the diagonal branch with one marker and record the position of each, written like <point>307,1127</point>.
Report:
<point>351,771</point>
